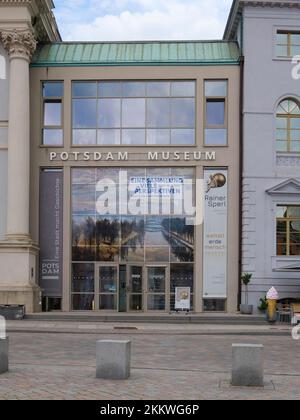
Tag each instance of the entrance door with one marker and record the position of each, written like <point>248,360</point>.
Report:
<point>156,288</point>
<point>135,288</point>
<point>107,276</point>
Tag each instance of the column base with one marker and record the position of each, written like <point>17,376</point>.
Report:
<point>18,280</point>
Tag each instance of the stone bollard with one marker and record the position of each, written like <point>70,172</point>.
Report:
<point>247,365</point>
<point>113,359</point>
<point>3,355</point>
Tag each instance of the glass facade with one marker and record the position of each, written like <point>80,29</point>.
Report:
<point>215,133</point>
<point>134,113</point>
<point>288,230</point>
<point>52,114</point>
<point>157,248</point>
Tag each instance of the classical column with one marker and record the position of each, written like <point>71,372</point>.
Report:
<point>20,45</point>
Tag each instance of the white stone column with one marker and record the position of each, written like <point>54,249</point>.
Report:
<point>20,45</point>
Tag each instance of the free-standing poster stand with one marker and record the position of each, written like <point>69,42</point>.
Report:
<point>183,299</point>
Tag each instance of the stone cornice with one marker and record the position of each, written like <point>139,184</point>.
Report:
<point>19,43</point>
<point>237,8</point>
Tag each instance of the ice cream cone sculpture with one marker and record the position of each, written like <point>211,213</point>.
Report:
<point>272,297</point>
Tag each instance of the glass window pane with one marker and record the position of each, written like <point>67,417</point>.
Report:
<point>158,254</point>
<point>295,123</point>
<point>53,90</point>
<point>136,279</point>
<point>83,302</point>
<point>156,279</point>
<point>214,305</point>
<point>158,113</point>
<point>183,89</point>
<point>155,229</point>
<point>295,39</point>
<point>133,137</point>
<point>295,135</point>
<point>295,146</point>
<point>157,89</point>
<point>133,113</point>
<point>83,176</point>
<point>108,302</point>
<point>281,51</point>
<point>83,278</point>
<point>183,113</point>
<point>84,137</point>
<point>183,137</point>
<point>84,113</point>
<point>281,123</point>
<point>156,302</point>
<point>281,211</point>
<point>108,277</point>
<point>215,137</point>
<point>52,137</point>
<point>181,275</point>
<point>109,111</point>
<point>282,38</point>
<point>293,211</point>
<point>132,231</point>
<point>134,89</point>
<point>282,134</point>
<point>133,254</point>
<point>109,137</point>
<point>216,88</point>
<point>295,50</point>
<point>158,137</point>
<point>110,89</point>
<point>52,113</point>
<point>136,302</point>
<point>215,112</point>
<point>281,146</point>
<point>84,89</point>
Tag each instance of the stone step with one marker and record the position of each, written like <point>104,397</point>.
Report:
<point>162,319</point>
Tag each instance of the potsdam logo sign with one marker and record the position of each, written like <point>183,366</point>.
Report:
<point>86,156</point>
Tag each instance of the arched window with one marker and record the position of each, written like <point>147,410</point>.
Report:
<point>288,126</point>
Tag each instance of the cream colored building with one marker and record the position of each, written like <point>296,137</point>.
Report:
<point>159,114</point>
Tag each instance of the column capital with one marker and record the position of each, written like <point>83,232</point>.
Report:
<point>19,43</point>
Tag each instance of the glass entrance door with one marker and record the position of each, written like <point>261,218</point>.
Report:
<point>108,276</point>
<point>135,288</point>
<point>156,288</point>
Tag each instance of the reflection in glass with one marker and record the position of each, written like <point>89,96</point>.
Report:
<point>110,89</point>
<point>52,113</point>
<point>158,113</point>
<point>83,278</point>
<point>216,137</point>
<point>156,279</point>
<point>157,254</point>
<point>84,89</point>
<point>52,137</point>
<point>84,113</point>
<point>183,88</point>
<point>156,302</point>
<point>108,302</point>
<point>108,277</point>
<point>53,89</point>
<point>109,137</point>
<point>133,137</point>
<point>157,89</point>
<point>136,302</point>
<point>83,176</point>
<point>161,137</point>
<point>136,279</point>
<point>133,113</point>
<point>109,111</point>
<point>83,302</point>
<point>182,275</point>
<point>133,89</point>
<point>84,137</point>
<point>183,137</point>
<point>84,238</point>
<point>107,238</point>
<point>216,88</point>
<point>215,112</point>
<point>183,113</point>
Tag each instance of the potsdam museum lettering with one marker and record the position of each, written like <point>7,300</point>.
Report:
<point>111,151</point>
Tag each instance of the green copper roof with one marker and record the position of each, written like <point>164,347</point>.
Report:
<point>137,53</point>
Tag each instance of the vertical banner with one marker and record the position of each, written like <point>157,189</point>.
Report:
<point>215,234</point>
<point>51,232</point>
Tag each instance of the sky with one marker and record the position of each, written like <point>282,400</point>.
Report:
<point>131,20</point>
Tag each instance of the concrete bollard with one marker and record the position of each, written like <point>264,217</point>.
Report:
<point>247,365</point>
<point>113,359</point>
<point>3,355</point>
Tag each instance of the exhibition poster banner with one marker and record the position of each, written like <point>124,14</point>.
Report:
<point>183,298</point>
<point>215,234</point>
<point>51,232</point>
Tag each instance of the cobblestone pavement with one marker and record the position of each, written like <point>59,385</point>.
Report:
<point>62,366</point>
